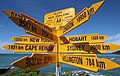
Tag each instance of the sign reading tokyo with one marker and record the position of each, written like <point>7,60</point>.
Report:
<point>59,18</point>
<point>80,18</point>
<point>37,29</point>
<point>32,47</point>
<point>35,61</point>
<point>88,61</point>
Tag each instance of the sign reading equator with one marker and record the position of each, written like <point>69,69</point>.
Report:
<point>80,18</point>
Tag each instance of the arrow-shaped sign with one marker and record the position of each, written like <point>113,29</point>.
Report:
<point>32,47</point>
<point>80,18</point>
<point>83,38</point>
<point>29,40</point>
<point>100,47</point>
<point>35,61</point>
<point>88,61</point>
<point>32,27</point>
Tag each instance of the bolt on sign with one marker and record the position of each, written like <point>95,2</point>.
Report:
<point>99,47</point>
<point>35,61</point>
<point>59,18</point>
<point>80,18</point>
<point>88,61</point>
<point>32,27</point>
<point>29,39</point>
<point>83,38</point>
<point>32,47</point>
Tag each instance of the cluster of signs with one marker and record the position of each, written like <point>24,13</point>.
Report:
<point>47,40</point>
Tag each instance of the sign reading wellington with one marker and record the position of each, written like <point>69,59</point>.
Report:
<point>59,18</point>
<point>35,61</point>
<point>88,61</point>
<point>80,18</point>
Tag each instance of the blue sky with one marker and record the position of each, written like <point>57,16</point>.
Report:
<point>106,21</point>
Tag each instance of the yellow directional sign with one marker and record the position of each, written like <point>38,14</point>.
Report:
<point>31,27</point>
<point>29,39</point>
<point>88,61</point>
<point>59,18</point>
<point>100,47</point>
<point>35,61</point>
<point>83,38</point>
<point>80,18</point>
<point>32,47</point>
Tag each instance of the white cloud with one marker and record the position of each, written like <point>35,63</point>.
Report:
<point>3,44</point>
<point>114,39</point>
<point>2,50</point>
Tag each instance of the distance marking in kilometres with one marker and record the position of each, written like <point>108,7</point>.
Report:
<point>88,61</point>
<point>35,61</point>
<point>29,40</point>
<point>100,47</point>
<point>83,38</point>
<point>31,27</point>
<point>34,48</point>
<point>80,18</point>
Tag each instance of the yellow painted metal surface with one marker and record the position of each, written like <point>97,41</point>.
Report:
<point>34,48</point>
<point>83,38</point>
<point>59,18</point>
<point>31,27</point>
<point>80,18</point>
<point>35,61</point>
<point>100,47</point>
<point>88,61</point>
<point>29,40</point>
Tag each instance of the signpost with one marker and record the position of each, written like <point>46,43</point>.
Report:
<point>88,61</point>
<point>35,61</point>
<point>54,41</point>
<point>59,18</point>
